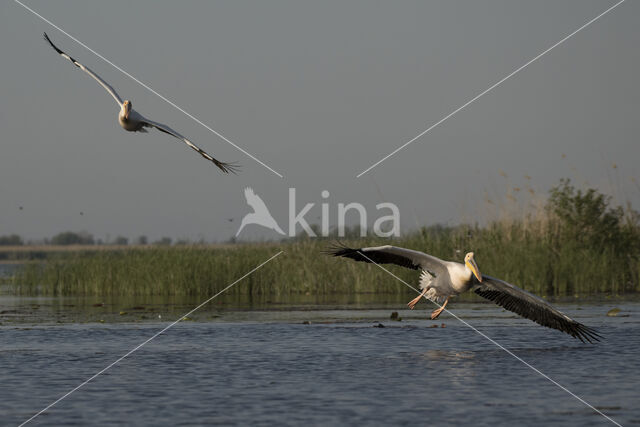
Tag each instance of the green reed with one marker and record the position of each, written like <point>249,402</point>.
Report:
<point>520,255</point>
<point>575,245</point>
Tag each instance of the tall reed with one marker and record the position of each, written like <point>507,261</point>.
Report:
<point>577,245</point>
<point>516,254</point>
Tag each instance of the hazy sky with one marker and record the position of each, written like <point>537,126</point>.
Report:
<point>318,90</point>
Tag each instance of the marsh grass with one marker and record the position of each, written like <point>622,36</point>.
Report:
<point>573,245</point>
<point>517,255</point>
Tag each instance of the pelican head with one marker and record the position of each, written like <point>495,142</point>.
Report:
<point>470,263</point>
<point>126,108</point>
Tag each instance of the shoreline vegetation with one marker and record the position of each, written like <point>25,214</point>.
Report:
<point>575,244</point>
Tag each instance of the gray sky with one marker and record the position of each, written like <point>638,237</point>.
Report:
<point>317,90</point>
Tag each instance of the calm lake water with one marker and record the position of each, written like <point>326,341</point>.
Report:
<point>311,364</point>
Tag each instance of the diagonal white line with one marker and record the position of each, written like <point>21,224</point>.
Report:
<point>499,345</point>
<point>148,88</point>
<point>136,348</point>
<point>472,100</point>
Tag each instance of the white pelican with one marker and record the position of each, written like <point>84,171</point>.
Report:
<point>440,280</point>
<point>133,121</point>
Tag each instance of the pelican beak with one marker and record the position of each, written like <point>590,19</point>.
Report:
<point>127,109</point>
<point>474,268</point>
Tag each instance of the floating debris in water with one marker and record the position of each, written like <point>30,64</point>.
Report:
<point>306,322</point>
<point>442,325</point>
<point>613,312</point>
<point>187,319</point>
<point>394,316</point>
<point>122,313</point>
<point>433,326</point>
<point>100,304</point>
<point>379,325</point>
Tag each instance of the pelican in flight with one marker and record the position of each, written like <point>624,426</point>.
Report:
<point>260,215</point>
<point>440,280</point>
<point>133,121</point>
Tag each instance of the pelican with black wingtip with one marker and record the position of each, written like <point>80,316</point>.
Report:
<point>133,121</point>
<point>440,280</point>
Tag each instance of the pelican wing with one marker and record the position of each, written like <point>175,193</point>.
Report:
<point>387,254</point>
<point>532,307</point>
<point>225,167</point>
<point>104,84</point>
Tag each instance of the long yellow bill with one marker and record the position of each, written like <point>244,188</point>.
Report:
<point>474,267</point>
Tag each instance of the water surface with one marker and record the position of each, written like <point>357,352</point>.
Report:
<point>311,363</point>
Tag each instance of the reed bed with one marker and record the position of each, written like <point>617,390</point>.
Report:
<point>516,255</point>
<point>576,245</point>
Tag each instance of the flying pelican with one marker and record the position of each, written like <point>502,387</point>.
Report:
<point>260,214</point>
<point>440,280</point>
<point>133,121</point>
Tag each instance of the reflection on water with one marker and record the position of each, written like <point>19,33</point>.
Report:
<point>459,367</point>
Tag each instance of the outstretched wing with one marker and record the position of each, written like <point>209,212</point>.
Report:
<point>104,84</point>
<point>392,255</point>
<point>225,167</point>
<point>255,202</point>
<point>532,307</point>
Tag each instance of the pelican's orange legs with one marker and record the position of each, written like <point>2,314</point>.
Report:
<point>414,301</point>
<point>435,313</point>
